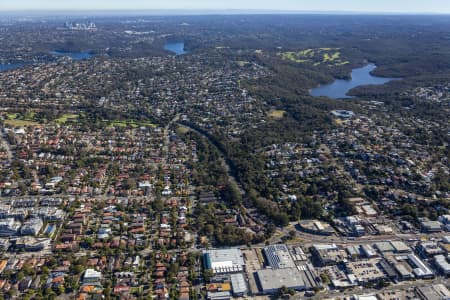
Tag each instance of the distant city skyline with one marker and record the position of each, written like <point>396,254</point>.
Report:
<point>369,6</point>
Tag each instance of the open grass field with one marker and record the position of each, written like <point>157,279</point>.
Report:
<point>66,117</point>
<point>276,114</point>
<point>242,63</point>
<point>182,130</point>
<point>13,120</point>
<point>318,56</point>
<point>20,123</point>
<point>129,123</point>
<point>12,116</point>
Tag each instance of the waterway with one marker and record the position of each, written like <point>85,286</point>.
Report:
<point>74,55</point>
<point>175,47</point>
<point>339,88</point>
<point>7,67</point>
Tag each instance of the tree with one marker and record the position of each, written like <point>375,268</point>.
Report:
<point>20,275</point>
<point>12,292</point>
<point>325,278</point>
<point>107,293</point>
<point>292,234</point>
<point>129,184</point>
<point>285,291</point>
<point>231,194</point>
<point>208,275</point>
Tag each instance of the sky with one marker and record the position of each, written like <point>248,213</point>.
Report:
<point>406,6</point>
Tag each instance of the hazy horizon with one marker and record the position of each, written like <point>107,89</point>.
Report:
<point>199,12</point>
<point>282,6</point>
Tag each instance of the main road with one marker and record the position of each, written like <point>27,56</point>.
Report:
<point>402,286</point>
<point>339,240</point>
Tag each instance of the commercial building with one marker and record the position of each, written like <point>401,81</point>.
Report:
<point>431,226</point>
<point>9,227</point>
<point>278,257</point>
<point>365,271</point>
<point>222,261</point>
<point>429,249</point>
<point>238,285</point>
<point>388,270</point>
<point>270,281</point>
<point>353,251</point>
<point>91,275</point>
<point>369,211</point>
<point>446,239</point>
<point>403,271</point>
<point>225,295</point>
<point>358,230</point>
<point>444,219</point>
<point>354,223</point>
<point>420,270</point>
<point>368,251</point>
<point>384,247</point>
<point>31,227</point>
<point>400,247</point>
<point>365,297</point>
<point>309,276</point>
<point>326,255</point>
<point>30,243</point>
<point>383,229</point>
<point>316,227</point>
<point>442,264</point>
<point>433,292</point>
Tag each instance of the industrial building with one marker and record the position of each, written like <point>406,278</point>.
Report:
<point>403,271</point>
<point>433,292</point>
<point>225,295</point>
<point>238,285</point>
<point>384,247</point>
<point>368,251</point>
<point>431,226</point>
<point>316,227</point>
<point>278,257</point>
<point>353,251</point>
<point>365,271</point>
<point>419,268</point>
<point>442,264</point>
<point>223,261</point>
<point>400,247</point>
<point>388,270</point>
<point>327,255</point>
<point>429,249</point>
<point>309,276</point>
<point>270,281</point>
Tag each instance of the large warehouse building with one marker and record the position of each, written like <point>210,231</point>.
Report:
<point>223,261</point>
<point>278,257</point>
<point>270,281</point>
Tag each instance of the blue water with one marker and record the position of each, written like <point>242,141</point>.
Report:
<point>73,55</point>
<point>177,48</point>
<point>50,228</point>
<point>339,88</point>
<point>7,67</point>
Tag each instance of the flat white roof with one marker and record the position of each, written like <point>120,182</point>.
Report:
<point>274,279</point>
<point>238,283</point>
<point>224,260</point>
<point>91,273</point>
